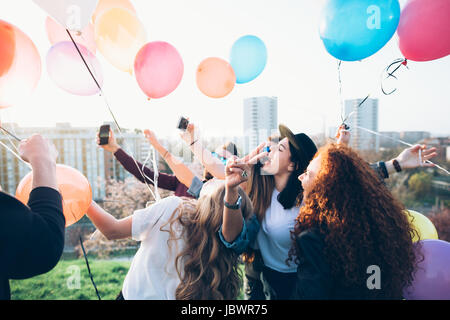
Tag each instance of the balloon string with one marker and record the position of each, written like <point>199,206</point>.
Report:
<point>399,61</point>
<point>10,134</point>
<point>89,269</point>
<point>404,143</point>
<point>110,111</point>
<point>15,154</point>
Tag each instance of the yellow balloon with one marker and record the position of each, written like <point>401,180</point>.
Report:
<point>422,225</point>
<point>119,36</point>
<point>105,5</point>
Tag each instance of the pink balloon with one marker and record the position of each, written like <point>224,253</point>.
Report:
<point>21,74</point>
<point>424,30</point>
<point>66,68</point>
<point>158,68</point>
<point>57,33</point>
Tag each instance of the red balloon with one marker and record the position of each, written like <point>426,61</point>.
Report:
<point>7,47</point>
<point>424,30</point>
<point>74,187</point>
<point>158,68</point>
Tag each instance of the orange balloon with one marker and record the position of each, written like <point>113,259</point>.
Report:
<point>105,5</point>
<point>119,36</point>
<point>74,187</point>
<point>7,47</point>
<point>215,77</point>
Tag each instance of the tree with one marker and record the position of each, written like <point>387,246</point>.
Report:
<point>122,199</point>
<point>420,184</point>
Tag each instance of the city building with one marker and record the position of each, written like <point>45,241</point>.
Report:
<point>366,117</point>
<point>78,149</point>
<point>260,120</point>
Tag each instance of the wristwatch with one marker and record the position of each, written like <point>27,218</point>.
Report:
<point>233,206</point>
<point>396,165</point>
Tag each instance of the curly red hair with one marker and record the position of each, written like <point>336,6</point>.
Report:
<point>361,222</point>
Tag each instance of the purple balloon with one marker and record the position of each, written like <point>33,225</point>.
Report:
<point>432,279</point>
<point>67,70</point>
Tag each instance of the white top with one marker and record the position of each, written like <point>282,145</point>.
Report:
<point>152,275</point>
<point>274,236</point>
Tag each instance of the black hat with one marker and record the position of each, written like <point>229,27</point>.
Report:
<point>301,143</point>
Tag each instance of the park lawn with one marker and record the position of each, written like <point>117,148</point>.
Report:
<point>58,285</point>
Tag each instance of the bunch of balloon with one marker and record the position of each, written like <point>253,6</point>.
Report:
<point>74,187</point>
<point>353,30</point>
<point>424,30</point>
<point>73,45</point>
<point>20,65</point>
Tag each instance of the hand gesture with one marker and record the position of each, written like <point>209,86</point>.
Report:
<point>416,156</point>
<point>343,135</point>
<point>151,137</point>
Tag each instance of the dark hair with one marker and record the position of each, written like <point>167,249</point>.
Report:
<point>292,194</point>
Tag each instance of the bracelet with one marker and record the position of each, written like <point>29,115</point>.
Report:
<point>396,165</point>
<point>194,142</point>
<point>383,168</point>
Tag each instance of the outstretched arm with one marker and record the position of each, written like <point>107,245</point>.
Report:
<point>111,227</point>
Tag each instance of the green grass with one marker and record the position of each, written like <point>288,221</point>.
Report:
<point>108,276</point>
<point>55,285</point>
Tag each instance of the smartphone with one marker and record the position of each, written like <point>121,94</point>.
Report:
<point>104,134</point>
<point>183,124</point>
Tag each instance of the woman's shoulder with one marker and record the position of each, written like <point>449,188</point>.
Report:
<point>310,237</point>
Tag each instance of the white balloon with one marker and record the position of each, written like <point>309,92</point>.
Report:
<point>74,15</point>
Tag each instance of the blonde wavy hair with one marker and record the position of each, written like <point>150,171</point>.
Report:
<point>207,269</point>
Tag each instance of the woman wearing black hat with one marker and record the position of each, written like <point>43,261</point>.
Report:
<point>276,195</point>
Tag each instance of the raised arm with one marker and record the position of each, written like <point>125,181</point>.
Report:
<point>211,163</point>
<point>181,171</point>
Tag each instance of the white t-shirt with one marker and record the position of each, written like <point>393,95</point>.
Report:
<point>152,275</point>
<point>274,236</point>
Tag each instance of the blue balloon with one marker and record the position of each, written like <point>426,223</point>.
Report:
<point>248,58</point>
<point>352,30</point>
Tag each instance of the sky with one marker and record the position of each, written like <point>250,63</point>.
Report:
<point>299,71</point>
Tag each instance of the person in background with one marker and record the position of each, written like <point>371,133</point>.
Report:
<point>183,182</point>
<point>32,237</point>
<point>214,162</point>
<point>179,183</point>
<point>410,158</point>
<point>349,226</point>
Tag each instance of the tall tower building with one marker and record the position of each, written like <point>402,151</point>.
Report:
<point>260,120</point>
<point>365,116</point>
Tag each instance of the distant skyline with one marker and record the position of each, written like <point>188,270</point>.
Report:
<point>300,73</point>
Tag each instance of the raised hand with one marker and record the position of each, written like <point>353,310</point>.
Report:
<point>416,156</point>
<point>112,145</point>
